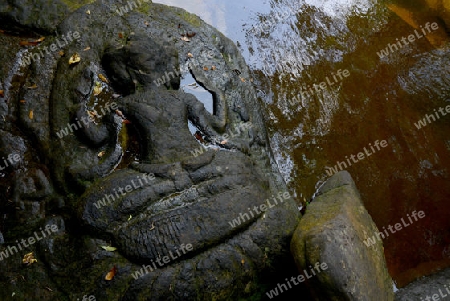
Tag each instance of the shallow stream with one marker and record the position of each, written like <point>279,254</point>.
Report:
<point>330,93</point>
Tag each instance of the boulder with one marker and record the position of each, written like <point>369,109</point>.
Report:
<point>332,231</point>
<point>434,287</point>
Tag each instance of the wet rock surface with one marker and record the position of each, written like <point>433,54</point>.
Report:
<point>332,231</point>
<point>72,172</point>
<point>435,287</point>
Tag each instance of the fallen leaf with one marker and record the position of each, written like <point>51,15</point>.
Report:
<point>97,89</point>
<point>242,261</point>
<point>120,35</point>
<point>87,48</point>
<point>92,114</point>
<point>119,112</point>
<point>116,95</point>
<point>29,259</point>
<point>224,142</point>
<point>61,53</point>
<point>108,248</point>
<point>213,68</point>
<point>146,23</point>
<point>242,79</point>
<point>126,121</point>
<point>111,274</point>
<point>185,39</point>
<point>205,68</point>
<point>129,217</point>
<point>28,43</point>
<point>75,58</point>
<point>30,114</point>
<point>40,39</point>
<point>33,87</point>
<point>103,78</point>
<point>49,288</point>
<point>2,93</point>
<point>101,154</point>
<point>190,35</point>
<point>22,101</point>
<point>88,12</point>
<point>190,55</point>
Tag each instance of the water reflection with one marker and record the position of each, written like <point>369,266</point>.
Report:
<point>381,99</point>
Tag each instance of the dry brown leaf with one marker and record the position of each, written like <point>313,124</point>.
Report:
<point>190,55</point>
<point>213,68</point>
<point>242,261</point>
<point>2,93</point>
<point>28,43</point>
<point>119,113</point>
<point>186,39</point>
<point>190,34</point>
<point>224,142</point>
<point>33,87</point>
<point>205,68</point>
<point>31,114</point>
<point>87,48</point>
<point>22,101</point>
<point>75,58</point>
<point>29,259</point>
<point>111,274</point>
<point>61,53</point>
<point>101,154</point>
<point>40,39</point>
<point>103,78</point>
<point>88,12</point>
<point>242,79</point>
<point>146,23</point>
<point>92,114</point>
<point>120,35</point>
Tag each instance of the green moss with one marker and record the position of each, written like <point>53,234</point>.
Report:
<point>76,4</point>
<point>144,8</point>
<point>190,18</point>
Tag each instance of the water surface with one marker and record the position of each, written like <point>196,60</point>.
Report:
<point>293,46</point>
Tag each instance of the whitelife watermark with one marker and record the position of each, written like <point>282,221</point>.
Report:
<point>435,297</point>
<point>332,170</point>
<point>300,278</point>
<point>391,48</point>
<point>88,298</point>
<point>86,120</point>
<point>165,260</point>
<point>12,158</point>
<point>26,60</point>
<point>128,188</point>
<point>423,122</point>
<point>308,92</point>
<point>11,250</point>
<point>398,226</point>
<point>128,7</point>
<point>243,217</point>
